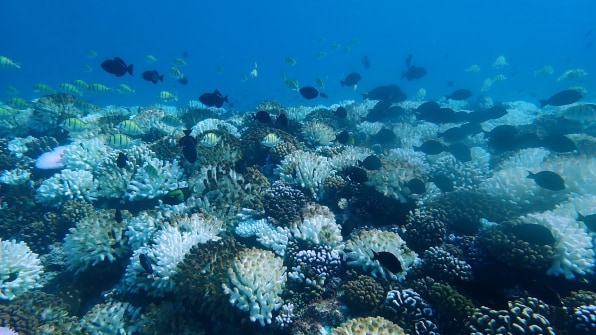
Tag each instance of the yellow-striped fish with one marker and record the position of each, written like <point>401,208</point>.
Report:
<point>70,88</point>
<point>581,112</point>
<point>81,84</point>
<point>12,90</point>
<point>6,62</point>
<point>124,89</point>
<point>179,61</point>
<point>100,88</point>
<point>320,83</point>
<point>17,102</point>
<point>175,72</point>
<point>73,124</point>
<point>151,170</point>
<point>5,112</point>
<point>171,120</point>
<point>321,54</point>
<point>84,105</point>
<point>292,84</point>
<point>91,53</point>
<point>210,140</point>
<point>120,141</point>
<point>290,61</point>
<point>150,59</point>
<point>271,140</point>
<point>167,96</point>
<point>129,127</point>
<point>43,88</point>
<point>87,68</point>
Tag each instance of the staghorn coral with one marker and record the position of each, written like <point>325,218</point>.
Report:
<point>255,282</point>
<point>368,326</point>
<point>283,203</point>
<point>413,313</point>
<point>363,295</point>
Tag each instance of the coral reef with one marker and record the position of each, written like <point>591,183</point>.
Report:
<point>67,185</point>
<point>368,326</point>
<point>283,203</point>
<point>20,269</point>
<point>425,228</point>
<point>315,267</point>
<point>414,314</point>
<point>363,295</point>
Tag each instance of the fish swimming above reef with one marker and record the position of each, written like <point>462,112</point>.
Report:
<point>356,175</point>
<point>262,117</point>
<point>492,113</point>
<point>340,112</point>
<point>387,92</point>
<point>189,146</point>
<point>351,79</point>
<point>461,152</point>
<point>121,160</point>
<point>443,182</point>
<point>461,132</point>
<point>116,67</point>
<point>461,94</point>
<point>309,92</point>
<point>562,98</point>
<point>343,137</point>
<point>152,76</point>
<point>282,120</point>
<point>588,220</point>
<point>183,80</point>
<point>431,147</point>
<point>581,112</point>
<point>213,99</point>
<point>548,179</point>
<point>365,62</point>
<point>388,260</point>
<point>414,73</point>
<point>371,163</point>
<point>558,143</point>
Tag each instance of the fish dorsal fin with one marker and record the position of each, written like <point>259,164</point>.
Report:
<point>119,60</point>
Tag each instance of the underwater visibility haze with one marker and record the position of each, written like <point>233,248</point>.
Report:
<point>310,167</point>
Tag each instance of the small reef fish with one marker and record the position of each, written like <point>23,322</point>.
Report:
<point>150,59</point>
<point>309,92</point>
<point>124,89</point>
<point>99,88</point>
<point>461,94</point>
<point>262,117</point>
<point>319,83</point>
<point>388,261</point>
<point>79,83</point>
<point>474,68</point>
<point>167,96</point>
<point>341,112</point>
<point>120,141</point>
<point>175,72</point>
<point>210,140</point>
<point>343,137</point>
<point>179,62</point>
<point>11,90</point>
<point>371,163</point>
<point>91,53</point>
<point>254,73</point>
<point>43,88</point>
<point>116,67</point>
<point>546,70</point>
<point>70,88</point>
<point>351,79</point>
<point>270,140</point>
<point>6,62</point>
<point>500,62</point>
<point>129,127</point>
<point>213,99</point>
<point>548,180</point>
<point>291,84</point>
<point>565,97</point>
<point>73,124</point>
<point>177,196</point>
<point>290,61</point>
<point>574,74</point>
<point>171,120</point>
<point>581,112</point>
<point>87,68</point>
<point>416,186</point>
<point>152,76</point>
<point>183,80</point>
<point>443,182</point>
<point>145,263</point>
<point>121,160</point>
<point>17,102</point>
<point>413,73</point>
<point>365,62</point>
<point>189,146</point>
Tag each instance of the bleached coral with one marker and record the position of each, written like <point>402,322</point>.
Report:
<point>358,252</point>
<point>67,185</point>
<point>166,250</point>
<point>414,134</point>
<point>154,179</point>
<point>465,175</point>
<point>317,133</point>
<point>320,229</point>
<point>84,154</point>
<point>20,269</point>
<point>110,318</point>
<point>518,113</point>
<point>307,170</point>
<point>142,228</point>
<point>370,128</point>
<point>349,156</point>
<point>255,282</point>
<point>274,238</point>
<point>94,239</point>
<point>214,124</point>
<point>18,146</point>
<point>15,177</point>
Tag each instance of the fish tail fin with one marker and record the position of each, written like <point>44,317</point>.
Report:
<point>580,217</point>
<point>530,175</point>
<point>225,99</point>
<point>543,103</point>
<point>343,83</point>
<point>160,78</point>
<point>129,69</point>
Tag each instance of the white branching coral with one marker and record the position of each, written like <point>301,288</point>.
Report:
<point>319,228</point>
<point>255,282</point>
<point>110,318</point>
<point>307,170</point>
<point>85,154</point>
<point>358,252</point>
<point>154,179</point>
<point>317,133</point>
<point>214,124</point>
<point>274,238</point>
<point>94,239</point>
<point>67,185</point>
<point>20,269</point>
<point>15,177</point>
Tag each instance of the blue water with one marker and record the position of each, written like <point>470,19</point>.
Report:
<point>50,40</point>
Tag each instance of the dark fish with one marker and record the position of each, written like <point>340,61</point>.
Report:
<point>443,182</point>
<point>416,186</point>
<point>385,136</point>
<point>562,98</point>
<point>183,80</point>
<point>494,112</point>
<point>431,111</point>
<point>366,62</point>
<point>12,276</point>
<point>323,95</point>
<point>548,179</point>
<point>388,260</point>
<point>503,138</point>
<point>378,111</point>
<point>351,80</point>
<point>356,175</point>
<point>409,61</point>
<point>185,54</point>
<point>116,67</point>
<point>461,132</point>
<point>558,143</point>
<point>461,94</point>
<point>450,83</point>
<point>121,160</point>
<point>118,215</point>
<point>343,137</point>
<point>531,233</point>
<point>213,99</point>
<point>177,196</point>
<point>152,76</point>
<point>189,146</point>
<point>371,163</point>
<point>309,92</point>
<point>341,112</point>
<point>263,117</point>
<point>589,44</point>
<point>588,33</point>
<point>588,220</point>
<point>145,263</point>
<point>461,152</point>
<point>527,140</point>
<point>413,73</point>
<point>388,92</point>
<point>431,147</point>
<point>282,120</point>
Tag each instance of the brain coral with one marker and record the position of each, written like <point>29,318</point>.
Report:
<point>368,326</point>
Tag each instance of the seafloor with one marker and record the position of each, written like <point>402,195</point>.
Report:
<point>273,229</point>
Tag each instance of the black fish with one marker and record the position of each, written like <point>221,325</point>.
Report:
<point>588,220</point>
<point>121,160</point>
<point>341,112</point>
<point>527,140</point>
<point>351,80</point>
<point>431,147</point>
<point>263,117</point>
<point>177,196</point>
<point>548,179</point>
<point>431,111</point>
<point>531,233</point>
<point>414,72</point>
<point>461,94</point>
<point>152,76</point>
<point>562,98</point>
<point>356,175</point>
<point>461,132</point>
<point>343,137</point>
<point>388,92</point>
<point>558,143</point>
<point>323,95</point>
<point>282,120</point>
<point>494,112</point>
<point>409,61</point>
<point>378,111</point>
<point>118,215</point>
<point>116,67</point>
<point>213,99</point>
<point>309,92</point>
<point>145,263</point>
<point>388,261</point>
<point>443,182</point>
<point>416,186</point>
<point>366,62</point>
<point>385,136</point>
<point>183,80</point>
<point>189,146</point>
<point>461,152</point>
<point>503,138</point>
<point>371,163</point>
